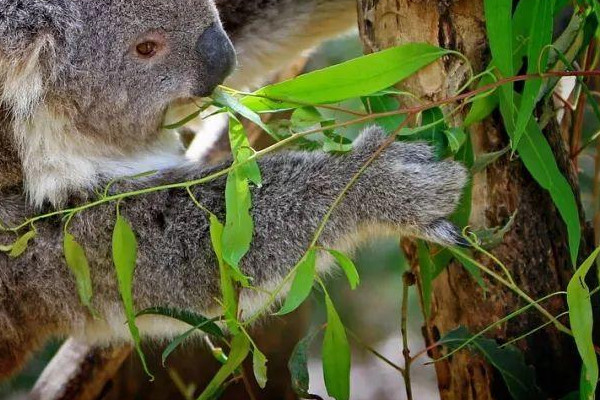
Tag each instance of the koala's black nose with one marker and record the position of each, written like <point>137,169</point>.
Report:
<point>217,56</point>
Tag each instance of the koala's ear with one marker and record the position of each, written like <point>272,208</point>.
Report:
<point>32,44</point>
<point>22,76</point>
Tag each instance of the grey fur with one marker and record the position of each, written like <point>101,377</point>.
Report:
<point>97,88</point>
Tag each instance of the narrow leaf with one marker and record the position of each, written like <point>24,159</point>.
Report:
<point>239,226</point>
<point>359,77</point>
<point>240,347</point>
<point>536,154</point>
<point>20,246</point>
<point>259,366</point>
<point>298,366</point>
<point>498,16</point>
<point>178,341</point>
<point>336,355</point>
<point>231,102</point>
<point>124,250</point>
<point>581,317</point>
<point>192,319</point>
<point>240,147</point>
<point>348,266</point>
<point>79,266</point>
<point>484,160</point>
<point>540,36</point>
<point>302,284</point>
<point>508,360</point>
<point>227,285</point>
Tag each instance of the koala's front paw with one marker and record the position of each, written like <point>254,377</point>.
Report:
<point>409,188</point>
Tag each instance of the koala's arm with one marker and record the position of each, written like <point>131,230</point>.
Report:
<point>270,33</point>
<point>405,190</point>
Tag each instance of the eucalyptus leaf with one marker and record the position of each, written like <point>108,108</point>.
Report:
<point>225,99</point>
<point>298,366</point>
<point>348,267</point>
<point>259,366</point>
<point>79,266</point>
<point>191,318</point>
<point>336,355</point>
<point>302,284</point>
<point>355,78</point>
<point>499,22</point>
<point>124,251</point>
<point>239,226</point>
<point>508,360</point>
<point>178,341</point>
<point>240,348</point>
<point>20,246</point>
<point>540,36</point>
<point>536,154</point>
<point>228,290</point>
<point>581,317</point>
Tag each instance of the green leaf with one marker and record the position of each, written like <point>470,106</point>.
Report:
<point>348,266</point>
<point>240,147</point>
<point>339,145</point>
<point>456,138</point>
<point>302,284</point>
<point>228,291</point>
<point>380,104</point>
<point>298,366</point>
<point>79,266</point>
<point>20,246</point>
<point>536,154</point>
<point>305,118</point>
<point>259,366</point>
<point>540,36</point>
<point>581,318</point>
<point>235,105</point>
<point>427,268</point>
<point>490,238</point>
<point>239,226</point>
<point>484,160</point>
<point>434,125</point>
<point>124,251</point>
<point>483,106</point>
<point>508,360</point>
<point>498,16</point>
<point>178,341</point>
<point>191,318</point>
<point>336,355</point>
<point>240,347</point>
<point>359,77</point>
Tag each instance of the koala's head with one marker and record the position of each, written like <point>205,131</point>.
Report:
<point>87,82</point>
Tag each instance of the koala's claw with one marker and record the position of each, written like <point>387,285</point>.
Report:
<point>445,233</point>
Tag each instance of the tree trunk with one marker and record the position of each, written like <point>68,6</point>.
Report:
<point>535,250</point>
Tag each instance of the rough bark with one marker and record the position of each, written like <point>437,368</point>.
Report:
<point>535,250</point>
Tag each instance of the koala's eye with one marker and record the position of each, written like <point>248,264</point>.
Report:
<point>147,49</point>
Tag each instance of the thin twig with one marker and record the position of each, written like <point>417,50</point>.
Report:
<point>377,354</point>
<point>408,280</point>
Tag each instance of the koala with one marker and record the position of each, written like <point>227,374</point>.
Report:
<point>84,87</point>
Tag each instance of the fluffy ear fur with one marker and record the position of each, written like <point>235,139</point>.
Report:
<point>32,32</point>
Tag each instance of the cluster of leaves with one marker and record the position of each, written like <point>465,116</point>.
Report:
<point>313,101</point>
